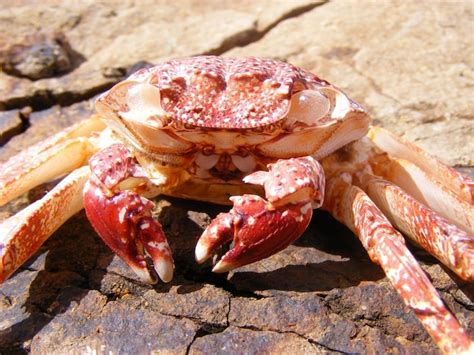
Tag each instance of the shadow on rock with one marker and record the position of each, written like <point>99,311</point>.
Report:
<point>312,277</point>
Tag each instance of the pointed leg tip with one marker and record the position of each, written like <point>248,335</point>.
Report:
<point>144,275</point>
<point>164,269</point>
<point>202,253</point>
<point>223,266</point>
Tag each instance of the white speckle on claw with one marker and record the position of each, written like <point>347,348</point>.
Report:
<point>305,208</point>
<point>121,215</point>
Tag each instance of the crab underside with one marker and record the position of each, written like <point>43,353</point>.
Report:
<point>276,138</point>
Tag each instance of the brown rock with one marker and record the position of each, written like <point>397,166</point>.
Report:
<point>315,319</point>
<point>301,314</point>
<point>38,56</point>
<point>377,304</point>
<point>93,325</point>
<point>246,341</point>
<point>17,323</point>
<point>204,303</point>
<point>11,124</point>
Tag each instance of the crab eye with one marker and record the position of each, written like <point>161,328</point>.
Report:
<point>144,105</point>
<point>340,103</point>
<point>133,102</point>
<point>134,110</point>
<point>308,106</point>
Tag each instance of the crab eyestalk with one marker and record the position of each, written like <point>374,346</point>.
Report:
<point>262,227</point>
<point>121,217</point>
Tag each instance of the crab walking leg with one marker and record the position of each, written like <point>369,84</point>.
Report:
<point>122,217</point>
<point>451,245</point>
<point>400,148</point>
<point>426,189</point>
<point>386,247</point>
<point>22,234</point>
<point>48,159</point>
<point>259,227</point>
<point>21,174</point>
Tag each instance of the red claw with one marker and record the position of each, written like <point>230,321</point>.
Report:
<point>123,218</point>
<point>260,228</point>
<point>257,228</point>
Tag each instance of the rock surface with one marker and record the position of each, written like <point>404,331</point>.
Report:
<point>11,124</point>
<point>411,65</point>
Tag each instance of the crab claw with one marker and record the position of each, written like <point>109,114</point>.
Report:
<point>257,228</point>
<point>125,224</point>
<point>123,218</point>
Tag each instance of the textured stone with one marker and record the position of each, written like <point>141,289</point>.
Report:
<point>19,321</point>
<point>41,55</point>
<point>11,124</point>
<point>344,320</point>
<point>244,341</point>
<point>94,325</point>
<point>205,303</point>
<point>370,305</point>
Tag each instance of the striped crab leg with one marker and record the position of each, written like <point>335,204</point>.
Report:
<point>428,201</point>
<point>421,203</point>
<point>22,234</point>
<point>398,147</point>
<point>442,239</point>
<point>48,159</point>
<point>427,189</point>
<point>386,247</point>
<point>444,190</point>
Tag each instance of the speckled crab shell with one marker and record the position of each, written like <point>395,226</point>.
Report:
<point>227,93</point>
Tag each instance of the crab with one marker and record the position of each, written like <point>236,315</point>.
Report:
<point>273,140</point>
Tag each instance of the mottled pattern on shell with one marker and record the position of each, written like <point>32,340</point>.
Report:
<point>217,92</point>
